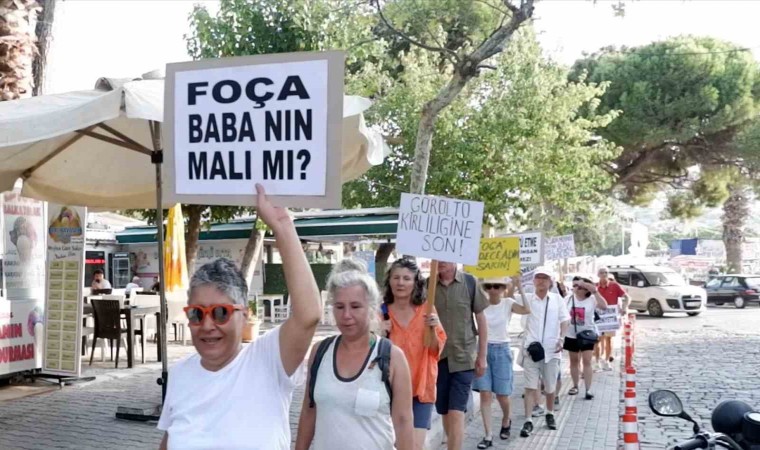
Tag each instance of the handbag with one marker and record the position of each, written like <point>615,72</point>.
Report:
<point>586,338</point>
<point>535,349</point>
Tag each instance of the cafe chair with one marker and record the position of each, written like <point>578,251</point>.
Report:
<point>108,325</point>
<point>177,317</point>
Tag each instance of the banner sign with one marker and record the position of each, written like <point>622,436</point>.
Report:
<point>63,310</point>
<point>269,119</point>
<point>439,228</point>
<point>21,334</point>
<point>560,247</point>
<point>24,258</point>
<point>609,319</point>
<point>499,257</point>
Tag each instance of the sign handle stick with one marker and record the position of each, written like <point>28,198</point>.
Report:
<point>432,283</point>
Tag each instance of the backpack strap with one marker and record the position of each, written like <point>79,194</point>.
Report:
<point>314,369</point>
<point>383,360</point>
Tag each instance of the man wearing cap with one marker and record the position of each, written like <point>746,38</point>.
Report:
<point>546,327</point>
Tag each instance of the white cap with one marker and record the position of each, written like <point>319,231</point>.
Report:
<point>543,271</point>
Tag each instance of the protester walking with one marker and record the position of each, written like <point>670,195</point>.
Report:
<point>230,396</point>
<point>612,293</point>
<point>582,334</point>
<point>498,377</point>
<point>405,323</point>
<point>542,348</point>
<point>457,299</point>
<point>360,390</point>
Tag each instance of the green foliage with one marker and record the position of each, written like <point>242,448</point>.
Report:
<point>274,283</point>
<point>513,139</point>
<point>674,89</point>
<point>209,214</point>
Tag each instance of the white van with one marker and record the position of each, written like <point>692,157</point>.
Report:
<point>659,290</point>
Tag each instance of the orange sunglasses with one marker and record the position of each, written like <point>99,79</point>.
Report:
<point>220,313</point>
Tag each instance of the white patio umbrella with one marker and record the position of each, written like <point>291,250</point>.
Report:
<point>95,148</point>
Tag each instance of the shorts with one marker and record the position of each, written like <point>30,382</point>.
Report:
<point>572,346</point>
<point>423,414</point>
<point>609,333</point>
<point>542,370</point>
<point>453,389</point>
<point>498,377</point>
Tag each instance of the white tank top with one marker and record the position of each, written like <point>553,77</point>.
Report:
<point>352,413</point>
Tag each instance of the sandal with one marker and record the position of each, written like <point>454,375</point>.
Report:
<point>485,443</point>
<point>573,391</point>
<point>506,432</point>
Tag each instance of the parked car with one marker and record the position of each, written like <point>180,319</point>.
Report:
<point>735,288</point>
<point>659,290</point>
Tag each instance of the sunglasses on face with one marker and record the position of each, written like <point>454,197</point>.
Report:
<point>489,286</point>
<point>578,286</point>
<point>220,314</point>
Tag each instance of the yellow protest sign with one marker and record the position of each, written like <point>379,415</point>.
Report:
<point>499,257</point>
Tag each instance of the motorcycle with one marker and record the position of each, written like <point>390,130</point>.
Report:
<point>736,424</point>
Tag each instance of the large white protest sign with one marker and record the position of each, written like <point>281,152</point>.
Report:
<point>270,119</point>
<point>560,247</point>
<point>440,228</point>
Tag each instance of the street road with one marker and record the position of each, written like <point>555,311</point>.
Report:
<point>705,359</point>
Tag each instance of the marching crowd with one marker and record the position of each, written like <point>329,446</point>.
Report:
<point>375,384</point>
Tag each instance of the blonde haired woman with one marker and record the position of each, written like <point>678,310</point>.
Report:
<point>351,402</point>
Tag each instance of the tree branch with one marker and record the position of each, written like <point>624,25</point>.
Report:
<point>407,38</point>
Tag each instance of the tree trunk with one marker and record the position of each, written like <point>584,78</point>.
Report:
<point>252,253</point>
<point>426,128</point>
<point>382,254</point>
<point>735,213</point>
<point>466,68</point>
<point>44,34</point>
<point>18,20</point>
<point>192,235</point>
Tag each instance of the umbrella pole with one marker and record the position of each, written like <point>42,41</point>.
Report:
<point>153,413</point>
<point>157,158</point>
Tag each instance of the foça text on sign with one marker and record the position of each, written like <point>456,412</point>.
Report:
<point>271,119</point>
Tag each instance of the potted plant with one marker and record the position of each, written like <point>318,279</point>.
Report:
<point>251,328</point>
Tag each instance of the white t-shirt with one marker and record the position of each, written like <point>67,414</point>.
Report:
<point>498,317</point>
<point>582,316</point>
<point>556,312</point>
<point>130,286</point>
<point>103,284</point>
<point>245,405</point>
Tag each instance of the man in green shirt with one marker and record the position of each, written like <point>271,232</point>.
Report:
<point>457,298</point>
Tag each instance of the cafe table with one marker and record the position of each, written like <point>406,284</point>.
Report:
<point>132,314</point>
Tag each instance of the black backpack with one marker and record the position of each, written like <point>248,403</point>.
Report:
<point>383,361</point>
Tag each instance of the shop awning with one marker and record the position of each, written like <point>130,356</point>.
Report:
<point>328,225</point>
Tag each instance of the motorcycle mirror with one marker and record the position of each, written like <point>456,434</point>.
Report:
<point>666,403</point>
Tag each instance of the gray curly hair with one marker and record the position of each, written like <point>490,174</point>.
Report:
<point>224,275</point>
<point>352,272</point>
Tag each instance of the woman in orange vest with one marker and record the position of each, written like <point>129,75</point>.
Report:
<point>405,322</point>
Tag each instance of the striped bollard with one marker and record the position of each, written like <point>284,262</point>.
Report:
<point>630,378</point>
<point>630,432</point>
<point>630,402</point>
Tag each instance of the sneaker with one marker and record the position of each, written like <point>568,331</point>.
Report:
<point>550,422</point>
<point>538,411</point>
<point>607,367</point>
<point>589,396</point>
<point>527,429</point>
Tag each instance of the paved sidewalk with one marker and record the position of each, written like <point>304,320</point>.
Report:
<point>581,424</point>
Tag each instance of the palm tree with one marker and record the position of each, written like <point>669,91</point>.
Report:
<point>18,22</point>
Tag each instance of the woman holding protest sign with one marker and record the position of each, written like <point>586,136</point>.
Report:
<point>360,391</point>
<point>582,334</point>
<point>227,395</point>
<point>498,378</point>
<point>405,324</point>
